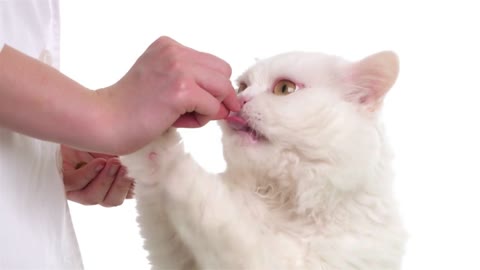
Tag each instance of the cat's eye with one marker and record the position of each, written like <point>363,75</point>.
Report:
<point>284,87</point>
<point>241,86</point>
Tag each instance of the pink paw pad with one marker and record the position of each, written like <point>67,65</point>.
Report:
<point>152,156</point>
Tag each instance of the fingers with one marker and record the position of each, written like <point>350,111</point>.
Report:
<point>201,58</point>
<point>164,41</point>
<point>99,182</point>
<point>97,189</point>
<point>215,63</point>
<point>211,74</point>
<point>195,120</point>
<point>168,84</point>
<point>202,102</point>
<point>231,102</point>
<point>131,191</point>
<point>101,155</point>
<point>121,189</point>
<point>70,156</point>
<point>79,179</point>
<point>188,120</point>
<point>205,108</point>
<point>218,86</point>
<point>222,113</point>
<point>213,100</point>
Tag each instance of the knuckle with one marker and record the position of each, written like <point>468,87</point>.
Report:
<point>94,200</point>
<point>75,183</point>
<point>69,185</point>
<point>175,64</point>
<point>181,84</point>
<point>106,204</point>
<point>168,50</point>
<point>82,197</point>
<point>171,48</point>
<point>184,101</point>
<point>90,177</point>
<point>89,197</point>
<point>106,183</point>
<point>109,204</point>
<point>125,184</point>
<point>120,202</point>
<point>228,69</point>
<point>163,41</point>
<point>89,200</point>
<point>225,89</point>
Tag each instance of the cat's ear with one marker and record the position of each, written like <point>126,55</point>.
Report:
<point>370,79</point>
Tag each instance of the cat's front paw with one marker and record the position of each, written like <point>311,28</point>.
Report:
<point>147,163</point>
<point>170,137</point>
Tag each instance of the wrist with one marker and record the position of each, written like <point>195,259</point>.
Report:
<point>101,120</point>
<point>116,130</point>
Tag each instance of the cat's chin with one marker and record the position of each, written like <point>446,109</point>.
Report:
<point>240,126</point>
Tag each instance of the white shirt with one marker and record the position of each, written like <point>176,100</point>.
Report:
<point>36,231</point>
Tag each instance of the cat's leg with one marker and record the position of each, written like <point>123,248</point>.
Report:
<point>221,235</point>
<point>166,249</point>
<point>209,218</point>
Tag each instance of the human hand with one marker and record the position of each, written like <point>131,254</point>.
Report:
<point>92,178</point>
<point>169,85</point>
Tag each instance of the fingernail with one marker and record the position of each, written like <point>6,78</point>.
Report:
<point>122,171</point>
<point>113,170</point>
<point>99,168</point>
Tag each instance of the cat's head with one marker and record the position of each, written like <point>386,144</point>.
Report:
<point>310,114</point>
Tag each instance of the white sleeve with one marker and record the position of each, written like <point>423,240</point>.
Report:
<point>1,44</point>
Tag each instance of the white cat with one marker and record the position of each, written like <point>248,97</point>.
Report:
<point>308,183</point>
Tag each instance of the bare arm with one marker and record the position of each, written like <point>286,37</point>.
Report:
<point>39,101</point>
<point>169,84</point>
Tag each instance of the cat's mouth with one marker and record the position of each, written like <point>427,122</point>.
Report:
<point>238,123</point>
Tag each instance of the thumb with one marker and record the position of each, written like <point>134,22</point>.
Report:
<point>195,120</point>
<point>222,113</point>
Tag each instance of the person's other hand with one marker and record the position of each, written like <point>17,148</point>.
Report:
<point>169,85</point>
<point>92,178</point>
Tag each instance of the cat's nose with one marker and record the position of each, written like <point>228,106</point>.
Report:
<point>243,99</point>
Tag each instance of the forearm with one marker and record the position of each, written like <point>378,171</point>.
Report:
<point>166,85</point>
<point>39,101</point>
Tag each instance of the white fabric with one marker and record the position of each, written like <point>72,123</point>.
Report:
<point>2,42</point>
<point>31,27</point>
<point>36,231</point>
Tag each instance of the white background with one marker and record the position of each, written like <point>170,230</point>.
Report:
<point>432,113</point>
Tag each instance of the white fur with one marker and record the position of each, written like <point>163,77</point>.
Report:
<point>316,195</point>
